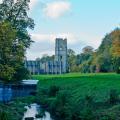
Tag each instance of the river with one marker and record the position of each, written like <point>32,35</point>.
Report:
<point>32,110</point>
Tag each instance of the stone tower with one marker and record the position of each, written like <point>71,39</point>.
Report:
<point>61,54</point>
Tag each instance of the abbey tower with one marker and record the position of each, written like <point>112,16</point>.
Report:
<point>61,54</point>
<point>57,66</point>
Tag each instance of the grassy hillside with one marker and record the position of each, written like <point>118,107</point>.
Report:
<point>80,85</point>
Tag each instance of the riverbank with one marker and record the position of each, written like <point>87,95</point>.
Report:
<point>14,110</point>
<point>80,96</point>
<point>22,109</point>
<point>72,97</point>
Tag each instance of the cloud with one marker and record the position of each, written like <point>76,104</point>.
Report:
<point>56,9</point>
<point>72,39</point>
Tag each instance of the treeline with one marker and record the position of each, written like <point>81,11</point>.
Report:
<point>105,59</point>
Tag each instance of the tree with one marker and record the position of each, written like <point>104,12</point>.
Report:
<point>7,35</point>
<point>71,60</point>
<point>84,59</point>
<point>107,55</point>
<point>115,50</point>
<point>102,58</point>
<point>16,15</point>
<point>88,49</point>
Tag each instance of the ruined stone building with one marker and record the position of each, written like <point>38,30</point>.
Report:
<point>57,66</point>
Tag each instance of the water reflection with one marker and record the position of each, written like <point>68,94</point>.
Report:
<point>32,110</point>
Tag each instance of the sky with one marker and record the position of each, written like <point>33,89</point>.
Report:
<point>82,22</point>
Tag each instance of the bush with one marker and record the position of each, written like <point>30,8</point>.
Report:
<point>89,101</point>
<point>61,106</point>
<point>118,71</point>
<point>107,117</point>
<point>21,73</point>
<point>87,114</point>
<point>42,96</point>
<point>114,96</point>
<point>53,90</point>
<point>4,115</point>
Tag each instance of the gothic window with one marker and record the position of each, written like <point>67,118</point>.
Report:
<point>60,57</point>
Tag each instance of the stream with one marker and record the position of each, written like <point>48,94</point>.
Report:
<point>32,110</point>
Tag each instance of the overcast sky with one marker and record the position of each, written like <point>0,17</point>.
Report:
<point>82,22</point>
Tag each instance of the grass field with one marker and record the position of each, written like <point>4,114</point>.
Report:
<point>97,85</point>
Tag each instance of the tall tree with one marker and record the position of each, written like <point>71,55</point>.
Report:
<point>16,14</point>
<point>115,50</point>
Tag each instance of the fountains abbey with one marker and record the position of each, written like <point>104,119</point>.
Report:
<point>57,66</point>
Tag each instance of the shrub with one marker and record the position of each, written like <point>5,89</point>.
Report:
<point>89,100</point>
<point>42,96</point>
<point>114,96</point>
<point>118,71</point>
<point>4,115</point>
<point>107,117</point>
<point>53,90</point>
<point>61,106</point>
<point>87,114</point>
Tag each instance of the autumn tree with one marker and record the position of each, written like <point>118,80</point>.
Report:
<point>115,50</point>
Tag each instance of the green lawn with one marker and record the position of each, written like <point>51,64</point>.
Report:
<point>97,85</point>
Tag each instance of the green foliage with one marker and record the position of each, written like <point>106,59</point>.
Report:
<point>53,91</point>
<point>80,62</point>
<point>60,107</point>
<point>81,96</point>
<point>111,113</point>
<point>71,60</point>
<point>116,63</point>
<point>88,100</point>
<point>21,73</point>
<point>108,53</point>
<point>105,59</point>
<point>7,36</point>
<point>14,110</point>
<point>14,38</point>
<point>87,114</point>
<point>42,95</point>
<point>4,115</point>
<point>97,84</point>
<point>114,96</point>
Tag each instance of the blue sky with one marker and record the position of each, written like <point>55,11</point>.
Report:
<point>82,22</point>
